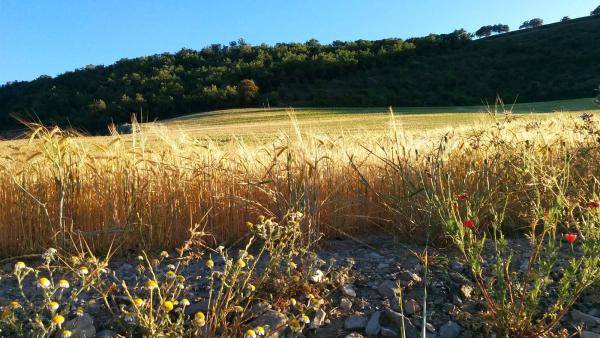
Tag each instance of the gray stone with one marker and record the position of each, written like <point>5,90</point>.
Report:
<point>449,330</point>
<point>318,320</point>
<point>429,327</point>
<point>589,334</point>
<point>388,289</point>
<point>317,276</point>
<point>373,327</point>
<point>466,290</point>
<point>355,323</point>
<point>259,308</point>
<point>348,290</point>
<point>275,320</point>
<point>411,307</point>
<point>106,334</point>
<point>588,320</point>
<point>345,304</point>
<point>354,335</point>
<point>398,319</point>
<point>382,266</point>
<point>388,332</point>
<point>81,326</point>
<point>457,266</point>
<point>410,277</point>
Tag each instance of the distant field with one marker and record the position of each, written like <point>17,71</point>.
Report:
<point>261,123</point>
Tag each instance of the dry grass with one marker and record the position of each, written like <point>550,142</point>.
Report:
<point>143,191</point>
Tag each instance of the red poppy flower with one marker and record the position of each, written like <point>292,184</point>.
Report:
<point>464,196</point>
<point>571,238</point>
<point>469,223</point>
<point>593,204</point>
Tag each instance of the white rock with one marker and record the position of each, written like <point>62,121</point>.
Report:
<point>317,277</point>
<point>348,290</point>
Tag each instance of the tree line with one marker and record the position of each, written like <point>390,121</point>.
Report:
<point>439,69</point>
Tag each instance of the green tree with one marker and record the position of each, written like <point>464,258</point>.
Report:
<point>533,23</point>
<point>247,91</point>
<point>484,31</point>
<point>500,28</point>
<point>97,105</point>
<point>595,11</point>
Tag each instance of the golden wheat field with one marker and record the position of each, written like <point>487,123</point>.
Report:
<point>145,189</point>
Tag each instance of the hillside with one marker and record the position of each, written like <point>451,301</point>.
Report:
<point>553,62</point>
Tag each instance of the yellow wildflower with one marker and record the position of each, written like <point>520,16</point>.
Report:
<point>167,305</point>
<point>295,325</point>
<point>44,283</point>
<point>58,320</point>
<point>151,284</point>
<point>20,266</point>
<point>260,330</point>
<point>199,319</point>
<point>304,318</point>
<point>52,306</point>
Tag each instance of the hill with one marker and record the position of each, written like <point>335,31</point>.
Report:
<point>552,62</point>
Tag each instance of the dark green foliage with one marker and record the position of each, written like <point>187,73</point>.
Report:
<point>565,18</point>
<point>484,31</point>
<point>533,23</point>
<point>556,61</point>
<point>595,11</point>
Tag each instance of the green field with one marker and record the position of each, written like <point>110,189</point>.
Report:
<point>254,122</point>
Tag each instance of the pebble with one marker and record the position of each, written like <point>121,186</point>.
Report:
<point>373,327</point>
<point>466,290</point>
<point>354,335</point>
<point>388,289</point>
<point>355,323</point>
<point>588,320</point>
<point>317,277</point>
<point>388,332</point>
<point>81,326</point>
<point>398,319</point>
<point>345,304</point>
<point>410,277</point>
<point>348,290</point>
<point>274,319</point>
<point>318,319</point>
<point>457,266</point>
<point>449,330</point>
<point>411,307</point>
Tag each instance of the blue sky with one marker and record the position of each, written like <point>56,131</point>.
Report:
<point>53,36</point>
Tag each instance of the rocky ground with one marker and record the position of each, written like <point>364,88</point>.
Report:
<point>371,305</point>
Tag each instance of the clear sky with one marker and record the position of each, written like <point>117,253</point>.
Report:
<point>52,36</point>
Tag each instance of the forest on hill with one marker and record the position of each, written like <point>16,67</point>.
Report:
<point>548,62</point>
